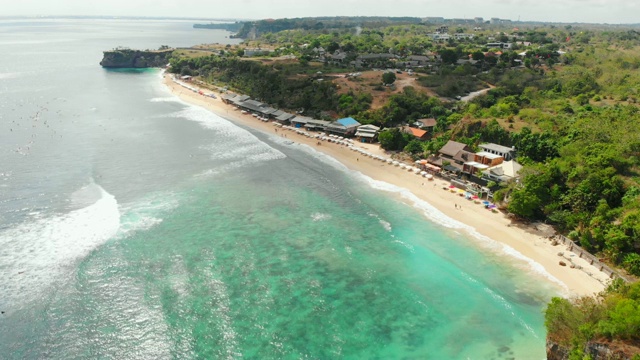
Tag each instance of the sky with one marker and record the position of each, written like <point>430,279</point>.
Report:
<point>591,11</point>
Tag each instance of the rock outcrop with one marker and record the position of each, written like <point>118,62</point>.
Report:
<point>597,351</point>
<point>127,58</point>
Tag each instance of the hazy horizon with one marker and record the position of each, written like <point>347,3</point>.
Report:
<point>564,11</point>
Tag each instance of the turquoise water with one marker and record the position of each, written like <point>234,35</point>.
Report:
<point>158,230</point>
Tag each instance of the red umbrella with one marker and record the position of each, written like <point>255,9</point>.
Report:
<point>452,186</point>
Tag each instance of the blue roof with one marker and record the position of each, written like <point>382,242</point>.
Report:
<point>348,121</point>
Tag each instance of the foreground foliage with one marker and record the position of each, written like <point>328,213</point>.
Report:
<point>612,316</point>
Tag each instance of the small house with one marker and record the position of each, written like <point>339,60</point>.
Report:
<point>416,133</point>
<point>426,124</point>
<point>508,153</point>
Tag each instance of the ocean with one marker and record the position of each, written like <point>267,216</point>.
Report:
<point>136,226</point>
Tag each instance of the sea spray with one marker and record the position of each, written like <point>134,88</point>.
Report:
<point>37,252</point>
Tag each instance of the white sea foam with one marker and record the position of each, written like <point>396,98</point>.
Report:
<point>440,218</point>
<point>145,214</point>
<point>35,254</point>
<point>320,216</point>
<point>166,99</point>
<point>232,143</point>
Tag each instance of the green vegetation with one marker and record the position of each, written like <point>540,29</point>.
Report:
<point>610,317</point>
<point>320,23</point>
<point>271,84</point>
<point>388,78</point>
<point>452,81</point>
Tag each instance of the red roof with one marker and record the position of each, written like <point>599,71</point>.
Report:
<point>417,132</point>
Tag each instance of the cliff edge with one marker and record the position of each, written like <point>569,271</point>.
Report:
<point>127,58</point>
<point>596,350</point>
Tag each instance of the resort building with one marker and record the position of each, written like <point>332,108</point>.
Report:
<point>317,125</point>
<point>481,161</point>
<point>506,171</point>
<point>367,133</point>
<point>343,127</point>
<point>508,153</point>
<point>452,156</point>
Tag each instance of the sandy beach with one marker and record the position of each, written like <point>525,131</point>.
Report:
<point>526,240</point>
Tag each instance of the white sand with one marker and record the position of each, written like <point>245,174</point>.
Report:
<point>525,240</point>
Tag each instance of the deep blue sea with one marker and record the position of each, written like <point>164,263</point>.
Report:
<point>135,226</point>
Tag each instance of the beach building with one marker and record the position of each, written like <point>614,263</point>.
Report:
<point>228,98</point>
<point>283,117</point>
<point>508,153</point>
<point>266,111</point>
<point>505,171</point>
<point>317,125</point>
<point>367,133</point>
<point>251,105</point>
<point>300,121</point>
<point>239,99</point>
<point>452,156</point>
<point>481,161</point>
<point>343,127</point>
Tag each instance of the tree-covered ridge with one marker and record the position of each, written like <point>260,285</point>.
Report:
<point>273,85</point>
<point>607,319</point>
<point>321,23</point>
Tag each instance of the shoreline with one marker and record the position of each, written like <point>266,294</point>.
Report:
<point>529,244</point>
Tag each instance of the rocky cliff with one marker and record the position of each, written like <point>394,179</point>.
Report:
<point>127,58</point>
<point>596,350</point>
